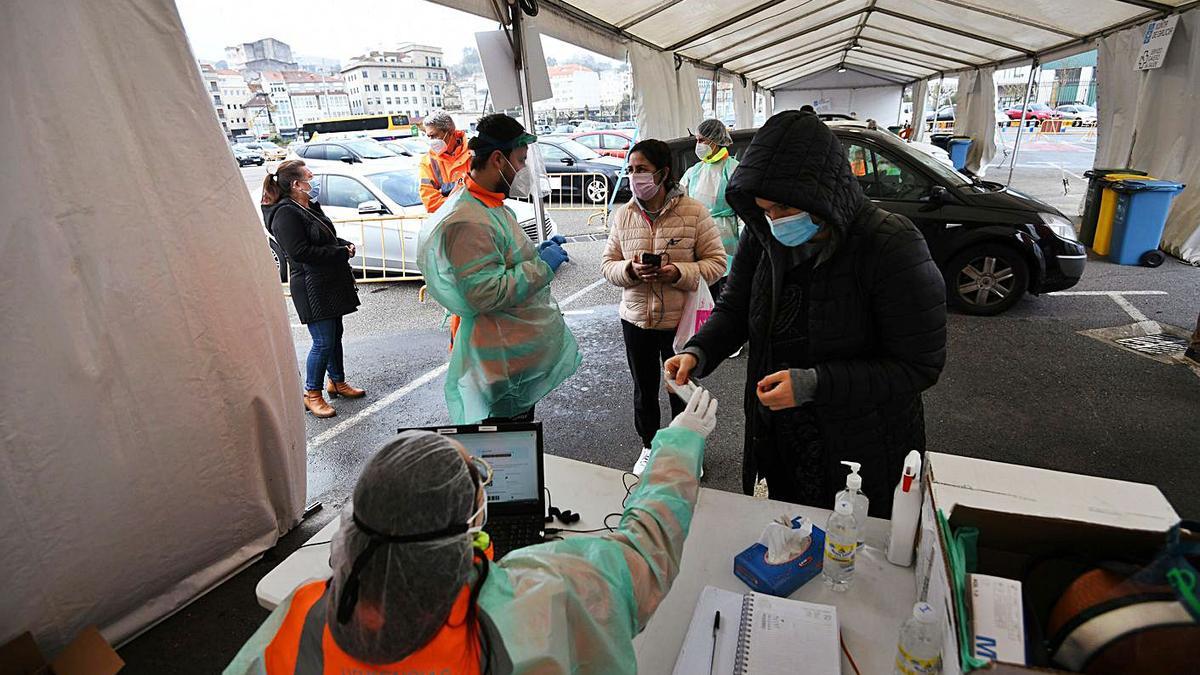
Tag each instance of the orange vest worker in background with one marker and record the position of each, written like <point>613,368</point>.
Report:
<point>446,164</point>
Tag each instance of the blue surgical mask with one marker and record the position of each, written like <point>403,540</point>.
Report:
<point>313,192</point>
<point>793,230</point>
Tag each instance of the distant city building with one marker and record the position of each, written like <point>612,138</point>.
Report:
<point>472,93</point>
<point>235,93</point>
<point>259,117</point>
<point>451,97</point>
<point>265,55</point>
<point>575,88</point>
<point>298,97</point>
<point>409,80</point>
<point>615,85</point>
<point>212,87</point>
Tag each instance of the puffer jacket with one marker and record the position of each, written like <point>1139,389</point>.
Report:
<point>684,233</point>
<point>865,309</point>
<point>319,274</point>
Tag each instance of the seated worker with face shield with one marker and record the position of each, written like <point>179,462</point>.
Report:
<point>414,591</point>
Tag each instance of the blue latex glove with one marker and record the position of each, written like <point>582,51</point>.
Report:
<point>553,255</point>
<point>556,240</point>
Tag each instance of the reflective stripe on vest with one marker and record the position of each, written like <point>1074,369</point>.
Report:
<point>305,646</point>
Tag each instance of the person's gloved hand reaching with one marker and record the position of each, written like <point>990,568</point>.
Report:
<point>556,240</point>
<point>553,254</point>
<point>700,415</point>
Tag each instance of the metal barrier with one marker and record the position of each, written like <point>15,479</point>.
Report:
<point>586,191</point>
<point>385,248</point>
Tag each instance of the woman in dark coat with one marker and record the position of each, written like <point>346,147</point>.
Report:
<point>319,275</point>
<point>845,314</point>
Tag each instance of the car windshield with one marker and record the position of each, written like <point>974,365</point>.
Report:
<point>415,145</point>
<point>579,150</point>
<point>369,149</point>
<point>240,147</point>
<point>400,186</point>
<point>268,145</point>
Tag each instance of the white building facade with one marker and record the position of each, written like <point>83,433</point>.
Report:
<point>235,93</point>
<point>409,80</point>
<point>575,87</point>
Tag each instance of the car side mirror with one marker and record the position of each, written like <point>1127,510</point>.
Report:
<point>349,159</point>
<point>568,161</point>
<point>938,194</point>
<point>371,207</point>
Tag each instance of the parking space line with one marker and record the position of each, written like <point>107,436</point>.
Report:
<point>1145,323</point>
<point>409,388</point>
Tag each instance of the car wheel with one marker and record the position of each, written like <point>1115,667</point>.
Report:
<point>280,266</point>
<point>596,190</point>
<point>986,280</point>
<point>1152,258</point>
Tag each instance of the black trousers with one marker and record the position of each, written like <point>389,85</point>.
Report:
<point>646,351</point>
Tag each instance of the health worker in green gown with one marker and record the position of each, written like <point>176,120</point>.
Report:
<point>513,346</point>
<point>706,183</point>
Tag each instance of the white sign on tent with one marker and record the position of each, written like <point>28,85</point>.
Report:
<point>1155,42</point>
<point>495,51</point>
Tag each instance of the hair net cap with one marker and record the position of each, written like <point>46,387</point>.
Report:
<point>439,119</point>
<point>715,131</point>
<point>416,483</point>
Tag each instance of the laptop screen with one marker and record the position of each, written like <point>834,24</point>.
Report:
<point>513,458</point>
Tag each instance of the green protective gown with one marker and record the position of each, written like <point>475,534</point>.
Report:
<point>706,182</point>
<point>513,346</point>
<point>574,606</point>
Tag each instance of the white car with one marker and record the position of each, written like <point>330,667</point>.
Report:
<point>928,148</point>
<point>341,152</point>
<point>365,194</point>
<point>1084,115</point>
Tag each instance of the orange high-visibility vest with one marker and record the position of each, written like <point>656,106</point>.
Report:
<point>304,643</point>
<point>441,173</point>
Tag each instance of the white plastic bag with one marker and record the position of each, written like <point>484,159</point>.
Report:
<point>696,310</point>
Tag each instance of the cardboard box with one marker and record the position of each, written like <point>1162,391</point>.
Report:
<point>88,654</point>
<point>997,618</point>
<point>1022,512</point>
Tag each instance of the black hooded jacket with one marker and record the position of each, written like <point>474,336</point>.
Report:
<point>865,307</point>
<point>319,274</point>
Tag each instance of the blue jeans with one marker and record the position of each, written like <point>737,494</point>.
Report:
<point>326,353</point>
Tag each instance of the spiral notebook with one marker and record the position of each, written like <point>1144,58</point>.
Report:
<point>760,635</point>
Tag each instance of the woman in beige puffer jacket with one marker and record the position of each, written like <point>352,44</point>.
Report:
<point>660,219</point>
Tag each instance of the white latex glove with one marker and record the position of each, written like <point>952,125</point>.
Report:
<point>700,415</point>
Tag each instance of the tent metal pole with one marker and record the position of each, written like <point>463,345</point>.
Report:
<point>1024,110</point>
<point>522,64</point>
<point>900,109</point>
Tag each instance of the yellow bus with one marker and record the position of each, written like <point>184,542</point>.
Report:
<point>378,127</point>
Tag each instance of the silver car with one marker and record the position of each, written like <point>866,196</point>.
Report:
<point>363,200</point>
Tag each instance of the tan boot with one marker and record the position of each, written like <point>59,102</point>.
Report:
<point>336,389</point>
<point>315,402</point>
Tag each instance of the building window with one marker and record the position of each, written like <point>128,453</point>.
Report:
<point>366,74</point>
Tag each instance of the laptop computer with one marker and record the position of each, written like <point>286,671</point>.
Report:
<point>517,496</point>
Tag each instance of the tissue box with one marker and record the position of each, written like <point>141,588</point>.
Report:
<point>997,618</point>
<point>781,580</point>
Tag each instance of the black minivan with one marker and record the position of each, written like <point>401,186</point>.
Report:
<point>993,244</point>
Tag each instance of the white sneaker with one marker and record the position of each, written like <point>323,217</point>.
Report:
<point>736,354</point>
<point>640,465</point>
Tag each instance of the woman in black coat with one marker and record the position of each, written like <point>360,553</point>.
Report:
<point>845,314</point>
<point>319,275</point>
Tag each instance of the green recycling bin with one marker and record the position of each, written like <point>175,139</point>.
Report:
<point>1091,205</point>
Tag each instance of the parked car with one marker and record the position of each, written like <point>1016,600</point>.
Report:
<point>943,114</point>
<point>598,175</point>
<point>408,147</point>
<point>993,244</point>
<point>355,151</point>
<point>829,117</point>
<point>1084,115</point>
<point>626,125</point>
<point>930,149</point>
<point>607,143</point>
<point>268,149</point>
<point>247,157</point>
<point>363,193</point>
<point>565,129</point>
<point>1037,111</point>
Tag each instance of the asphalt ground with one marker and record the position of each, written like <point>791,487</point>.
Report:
<point>1030,387</point>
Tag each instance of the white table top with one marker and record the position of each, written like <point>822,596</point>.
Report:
<point>870,613</point>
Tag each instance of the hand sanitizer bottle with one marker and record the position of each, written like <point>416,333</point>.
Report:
<point>840,547</point>
<point>858,501</point>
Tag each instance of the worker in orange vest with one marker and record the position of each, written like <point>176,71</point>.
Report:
<point>447,163</point>
<point>413,590</point>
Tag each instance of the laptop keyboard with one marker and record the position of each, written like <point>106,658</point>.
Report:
<point>510,534</point>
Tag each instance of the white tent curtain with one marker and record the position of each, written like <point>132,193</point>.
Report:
<point>743,103</point>
<point>977,116</point>
<point>768,103</point>
<point>154,441</point>
<point>666,100</point>
<point>920,93</point>
<point>1138,129</point>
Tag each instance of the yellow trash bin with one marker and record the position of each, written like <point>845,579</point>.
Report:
<point>1108,210</point>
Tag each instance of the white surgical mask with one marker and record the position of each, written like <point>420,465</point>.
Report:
<point>703,150</point>
<point>437,145</point>
<point>479,515</point>
<point>522,182</point>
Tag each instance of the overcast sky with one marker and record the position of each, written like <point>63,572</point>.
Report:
<point>315,28</point>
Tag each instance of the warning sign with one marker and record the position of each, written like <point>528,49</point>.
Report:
<point>1155,42</point>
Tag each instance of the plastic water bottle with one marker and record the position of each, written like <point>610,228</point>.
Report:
<point>841,544</point>
<point>919,650</point>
